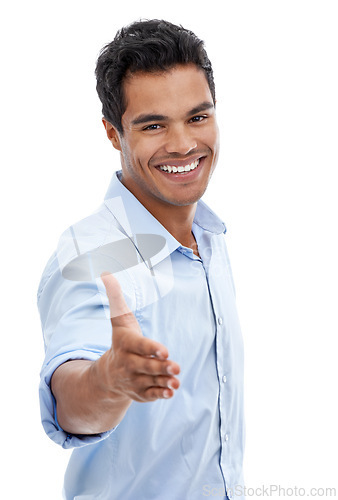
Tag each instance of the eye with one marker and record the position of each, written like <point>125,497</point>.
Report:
<point>197,119</point>
<point>153,126</point>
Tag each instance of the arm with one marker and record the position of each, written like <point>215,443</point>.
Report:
<point>93,396</point>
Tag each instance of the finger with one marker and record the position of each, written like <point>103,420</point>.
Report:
<point>162,381</point>
<point>144,347</point>
<point>153,366</point>
<point>154,393</point>
<point>145,365</point>
<point>145,382</point>
<point>120,314</point>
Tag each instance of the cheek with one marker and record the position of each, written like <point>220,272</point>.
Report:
<point>141,149</point>
<point>212,141</point>
<point>214,137</point>
<point>149,148</point>
<point>210,137</point>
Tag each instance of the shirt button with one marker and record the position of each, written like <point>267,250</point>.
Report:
<point>226,437</point>
<point>220,321</point>
<point>224,379</point>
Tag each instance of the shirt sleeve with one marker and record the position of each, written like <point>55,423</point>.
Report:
<point>76,325</point>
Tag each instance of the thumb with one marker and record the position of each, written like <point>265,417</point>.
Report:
<point>120,314</point>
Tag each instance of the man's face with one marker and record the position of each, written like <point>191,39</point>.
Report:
<point>169,144</point>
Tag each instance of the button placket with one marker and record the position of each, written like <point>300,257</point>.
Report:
<point>220,365</point>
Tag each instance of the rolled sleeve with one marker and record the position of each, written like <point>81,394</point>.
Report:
<point>76,325</point>
<point>48,405</point>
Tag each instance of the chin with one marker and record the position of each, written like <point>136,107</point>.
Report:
<point>186,201</point>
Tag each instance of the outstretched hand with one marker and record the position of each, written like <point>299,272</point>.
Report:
<point>138,367</point>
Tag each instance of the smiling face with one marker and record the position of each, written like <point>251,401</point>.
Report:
<point>169,146</point>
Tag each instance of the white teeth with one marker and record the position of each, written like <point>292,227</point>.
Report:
<point>173,169</point>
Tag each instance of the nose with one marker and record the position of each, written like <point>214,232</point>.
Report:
<point>180,141</point>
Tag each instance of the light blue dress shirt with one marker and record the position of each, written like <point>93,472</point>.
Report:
<point>187,447</point>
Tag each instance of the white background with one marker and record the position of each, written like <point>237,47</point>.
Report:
<point>275,65</point>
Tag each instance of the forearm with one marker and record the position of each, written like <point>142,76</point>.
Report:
<point>84,405</point>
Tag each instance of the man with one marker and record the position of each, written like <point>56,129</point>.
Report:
<point>156,391</point>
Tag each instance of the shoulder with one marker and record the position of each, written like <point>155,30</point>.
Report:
<point>85,250</point>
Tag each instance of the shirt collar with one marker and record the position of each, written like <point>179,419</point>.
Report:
<point>207,219</point>
<point>136,219</point>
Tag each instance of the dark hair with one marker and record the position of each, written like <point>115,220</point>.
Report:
<point>150,46</point>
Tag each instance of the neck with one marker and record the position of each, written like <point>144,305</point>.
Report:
<point>179,224</point>
<point>177,220</point>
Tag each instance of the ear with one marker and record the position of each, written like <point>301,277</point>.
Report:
<point>112,134</point>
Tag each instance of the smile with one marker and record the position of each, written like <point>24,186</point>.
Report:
<point>173,169</point>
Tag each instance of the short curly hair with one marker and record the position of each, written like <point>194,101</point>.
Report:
<point>150,46</point>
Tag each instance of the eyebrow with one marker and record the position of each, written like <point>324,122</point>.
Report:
<point>152,117</point>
